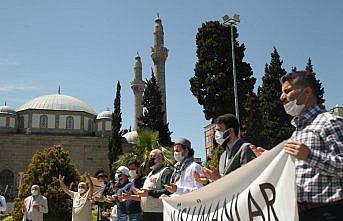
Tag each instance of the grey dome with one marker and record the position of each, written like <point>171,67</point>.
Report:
<point>131,136</point>
<point>58,102</point>
<point>105,115</point>
<point>7,110</point>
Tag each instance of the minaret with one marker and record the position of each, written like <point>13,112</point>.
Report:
<point>159,56</point>
<point>137,86</point>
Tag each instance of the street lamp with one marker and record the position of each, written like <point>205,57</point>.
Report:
<point>233,22</point>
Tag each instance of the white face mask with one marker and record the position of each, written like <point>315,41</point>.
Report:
<point>34,192</point>
<point>81,190</point>
<point>132,173</point>
<point>219,137</point>
<point>292,108</point>
<point>178,156</point>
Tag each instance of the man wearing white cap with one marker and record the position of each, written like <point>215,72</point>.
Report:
<point>124,185</point>
<point>35,205</point>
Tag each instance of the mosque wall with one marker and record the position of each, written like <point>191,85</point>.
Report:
<point>2,121</point>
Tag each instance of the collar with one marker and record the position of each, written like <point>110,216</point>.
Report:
<point>231,147</point>
<point>307,116</point>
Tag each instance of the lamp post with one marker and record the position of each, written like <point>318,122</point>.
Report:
<point>233,22</point>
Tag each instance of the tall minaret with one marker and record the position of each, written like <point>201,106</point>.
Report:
<point>137,86</point>
<point>159,56</point>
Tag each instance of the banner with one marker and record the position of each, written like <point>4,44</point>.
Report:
<point>264,189</point>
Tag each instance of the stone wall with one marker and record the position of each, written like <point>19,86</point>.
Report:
<point>87,153</point>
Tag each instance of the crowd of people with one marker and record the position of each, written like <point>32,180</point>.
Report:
<point>316,144</point>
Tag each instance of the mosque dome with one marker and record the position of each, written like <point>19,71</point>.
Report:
<point>107,114</point>
<point>59,102</point>
<point>7,110</point>
<point>131,136</point>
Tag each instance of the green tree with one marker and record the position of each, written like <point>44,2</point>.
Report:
<point>43,170</point>
<point>275,125</point>
<point>115,142</point>
<point>319,90</point>
<point>212,83</point>
<point>153,115</point>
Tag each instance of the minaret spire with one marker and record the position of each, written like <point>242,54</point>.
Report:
<point>59,89</point>
<point>159,55</point>
<point>137,86</point>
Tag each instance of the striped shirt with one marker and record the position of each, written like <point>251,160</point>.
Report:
<point>320,178</point>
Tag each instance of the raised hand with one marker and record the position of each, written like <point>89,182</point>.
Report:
<point>200,178</point>
<point>258,151</point>
<point>211,173</point>
<point>171,187</point>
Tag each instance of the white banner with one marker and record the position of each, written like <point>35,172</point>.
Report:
<point>263,189</point>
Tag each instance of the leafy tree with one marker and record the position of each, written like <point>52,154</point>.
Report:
<point>43,170</point>
<point>275,125</point>
<point>212,83</point>
<point>319,90</point>
<point>153,115</point>
<point>115,143</point>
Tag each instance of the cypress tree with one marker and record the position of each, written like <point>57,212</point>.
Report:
<point>319,90</point>
<point>275,125</point>
<point>153,115</point>
<point>115,143</point>
<point>212,83</point>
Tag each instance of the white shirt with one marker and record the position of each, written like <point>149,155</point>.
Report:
<point>33,201</point>
<point>187,182</point>
<point>2,204</point>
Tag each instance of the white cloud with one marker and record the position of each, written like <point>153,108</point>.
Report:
<point>15,87</point>
<point>7,61</point>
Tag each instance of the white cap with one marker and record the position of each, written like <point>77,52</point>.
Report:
<point>123,170</point>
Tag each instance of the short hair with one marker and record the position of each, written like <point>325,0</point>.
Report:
<point>160,153</point>
<point>301,79</point>
<point>135,162</point>
<point>229,120</point>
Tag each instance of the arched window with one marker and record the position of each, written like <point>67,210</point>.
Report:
<point>90,125</point>
<point>21,122</point>
<point>70,122</point>
<point>43,121</point>
<point>7,179</point>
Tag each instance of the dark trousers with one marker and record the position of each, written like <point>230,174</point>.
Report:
<point>325,213</point>
<point>152,216</point>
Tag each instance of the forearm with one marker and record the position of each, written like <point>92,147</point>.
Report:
<point>328,164</point>
<point>134,197</point>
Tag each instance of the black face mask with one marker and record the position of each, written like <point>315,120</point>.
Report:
<point>151,162</point>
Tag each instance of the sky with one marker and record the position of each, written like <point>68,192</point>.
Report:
<point>87,46</point>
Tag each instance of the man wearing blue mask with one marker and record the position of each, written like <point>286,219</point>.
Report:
<point>237,151</point>
<point>317,145</point>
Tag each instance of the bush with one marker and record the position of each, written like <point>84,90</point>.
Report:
<point>43,170</point>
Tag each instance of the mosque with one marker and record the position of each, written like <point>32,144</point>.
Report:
<point>59,119</point>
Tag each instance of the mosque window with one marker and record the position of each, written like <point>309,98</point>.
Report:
<point>7,182</point>
<point>70,122</point>
<point>21,122</point>
<point>90,125</point>
<point>43,122</point>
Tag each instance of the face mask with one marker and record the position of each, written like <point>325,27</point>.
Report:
<point>34,192</point>
<point>178,156</point>
<point>151,162</point>
<point>116,178</point>
<point>132,173</point>
<point>219,137</point>
<point>292,108</point>
<point>81,190</point>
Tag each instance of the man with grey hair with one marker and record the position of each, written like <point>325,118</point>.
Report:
<point>317,145</point>
<point>153,187</point>
<point>35,205</point>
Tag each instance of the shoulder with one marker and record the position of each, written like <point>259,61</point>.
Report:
<point>28,198</point>
<point>328,120</point>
